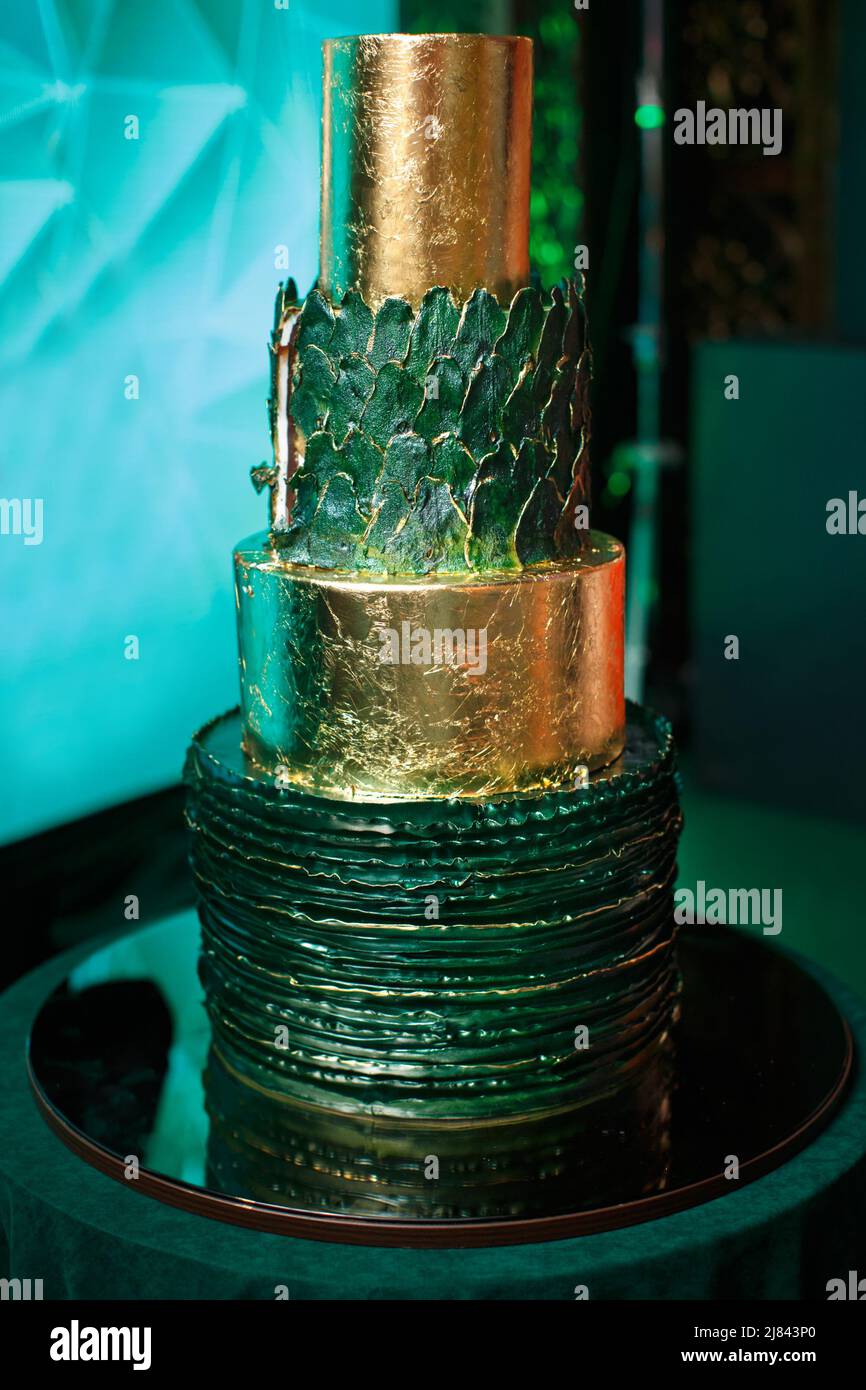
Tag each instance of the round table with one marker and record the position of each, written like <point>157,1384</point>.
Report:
<point>782,1236</point>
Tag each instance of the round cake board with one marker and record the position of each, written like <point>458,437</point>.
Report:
<point>117,1051</point>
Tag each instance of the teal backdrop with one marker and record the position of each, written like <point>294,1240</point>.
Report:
<point>156,259</point>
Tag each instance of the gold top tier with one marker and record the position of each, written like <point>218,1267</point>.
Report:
<point>426,152</point>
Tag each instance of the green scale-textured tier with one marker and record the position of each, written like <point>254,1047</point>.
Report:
<point>435,958</point>
<point>449,440</point>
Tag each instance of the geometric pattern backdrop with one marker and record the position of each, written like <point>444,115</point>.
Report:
<point>149,258</point>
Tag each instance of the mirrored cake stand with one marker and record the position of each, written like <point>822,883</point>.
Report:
<point>118,1052</point>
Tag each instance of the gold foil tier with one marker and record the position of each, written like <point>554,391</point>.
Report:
<point>426,151</point>
<point>389,688</point>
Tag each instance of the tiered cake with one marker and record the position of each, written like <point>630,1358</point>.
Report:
<point>434,850</point>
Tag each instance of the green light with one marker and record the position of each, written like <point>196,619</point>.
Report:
<point>649,117</point>
<point>619,484</point>
<point>549,252</point>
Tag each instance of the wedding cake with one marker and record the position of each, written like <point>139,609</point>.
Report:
<point>434,848</point>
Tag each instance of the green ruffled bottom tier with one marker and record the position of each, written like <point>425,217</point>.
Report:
<point>437,960</point>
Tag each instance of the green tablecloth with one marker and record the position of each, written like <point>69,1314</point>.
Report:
<point>87,1236</point>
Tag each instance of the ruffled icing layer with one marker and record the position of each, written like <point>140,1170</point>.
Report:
<point>440,959</point>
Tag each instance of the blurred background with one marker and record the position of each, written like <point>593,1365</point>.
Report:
<point>159,176</point>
